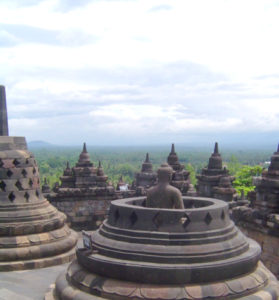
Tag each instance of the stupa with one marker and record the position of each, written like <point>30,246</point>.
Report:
<point>84,194</point>
<point>225,191</point>
<point>180,178</point>
<point>147,249</point>
<point>146,178</point>
<point>267,187</point>
<point>46,188</point>
<point>260,221</point>
<point>215,179</point>
<point>121,184</point>
<point>33,234</point>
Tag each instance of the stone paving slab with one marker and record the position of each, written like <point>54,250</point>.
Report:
<point>28,284</point>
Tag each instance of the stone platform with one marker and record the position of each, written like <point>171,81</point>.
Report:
<point>28,284</point>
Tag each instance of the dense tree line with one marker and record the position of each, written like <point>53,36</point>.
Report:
<point>126,162</point>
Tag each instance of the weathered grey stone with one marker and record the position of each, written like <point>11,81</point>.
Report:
<point>144,252</point>
<point>28,223</point>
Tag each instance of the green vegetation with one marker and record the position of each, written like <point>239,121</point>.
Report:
<point>127,161</point>
<point>244,178</point>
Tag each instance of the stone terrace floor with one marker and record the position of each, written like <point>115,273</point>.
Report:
<point>29,284</point>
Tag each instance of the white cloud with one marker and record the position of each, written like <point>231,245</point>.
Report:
<point>164,67</point>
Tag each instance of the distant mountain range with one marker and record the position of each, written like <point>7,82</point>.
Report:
<point>233,141</point>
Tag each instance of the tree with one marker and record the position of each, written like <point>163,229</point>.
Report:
<point>244,178</point>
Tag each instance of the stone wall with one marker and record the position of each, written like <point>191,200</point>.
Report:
<point>83,214</point>
<point>269,244</point>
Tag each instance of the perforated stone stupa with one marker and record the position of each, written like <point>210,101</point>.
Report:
<point>180,178</point>
<point>147,249</point>
<point>84,194</point>
<point>33,234</point>
<point>215,181</point>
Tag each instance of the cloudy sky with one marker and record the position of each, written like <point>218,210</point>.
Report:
<point>139,71</point>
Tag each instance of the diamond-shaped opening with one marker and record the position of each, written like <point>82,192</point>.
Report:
<point>37,193</point>
<point>12,196</point>
<point>157,220</point>
<point>3,186</point>
<point>38,181</point>
<point>133,218</point>
<point>223,215</point>
<point>9,173</point>
<point>24,172</point>
<point>30,182</point>
<point>1,163</point>
<point>19,185</point>
<point>16,162</point>
<point>185,221</point>
<point>34,171</point>
<point>26,196</point>
<point>27,161</point>
<point>208,218</point>
<point>116,216</point>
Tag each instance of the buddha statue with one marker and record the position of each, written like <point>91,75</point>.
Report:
<point>163,195</point>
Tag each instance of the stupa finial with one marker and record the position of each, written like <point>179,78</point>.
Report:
<point>100,165</point>
<point>4,129</point>
<point>67,165</point>
<point>172,148</point>
<point>84,148</point>
<point>147,158</point>
<point>216,148</point>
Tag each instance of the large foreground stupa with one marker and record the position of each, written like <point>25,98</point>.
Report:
<point>33,233</point>
<point>146,249</point>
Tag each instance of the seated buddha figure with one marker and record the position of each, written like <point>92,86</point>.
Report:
<point>163,195</point>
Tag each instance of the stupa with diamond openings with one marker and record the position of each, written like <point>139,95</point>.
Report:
<point>33,233</point>
<point>167,247</point>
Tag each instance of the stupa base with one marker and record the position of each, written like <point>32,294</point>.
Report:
<point>79,283</point>
<point>65,249</point>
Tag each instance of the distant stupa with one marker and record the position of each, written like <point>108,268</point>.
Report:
<point>84,194</point>
<point>180,177</point>
<point>214,180</point>
<point>146,178</point>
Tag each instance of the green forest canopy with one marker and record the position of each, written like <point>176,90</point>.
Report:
<point>127,161</point>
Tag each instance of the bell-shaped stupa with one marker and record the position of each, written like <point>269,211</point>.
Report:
<point>84,194</point>
<point>167,247</point>
<point>180,178</point>
<point>33,233</point>
<point>209,184</point>
<point>145,178</point>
